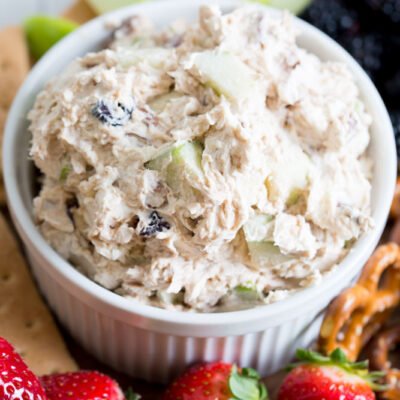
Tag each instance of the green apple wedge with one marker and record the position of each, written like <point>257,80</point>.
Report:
<point>103,6</point>
<point>294,6</point>
<point>247,293</point>
<point>257,228</point>
<point>226,73</point>
<point>290,174</point>
<point>266,254</point>
<point>42,32</point>
<point>178,160</point>
<point>185,158</point>
<point>258,235</point>
<point>154,56</point>
<point>159,103</point>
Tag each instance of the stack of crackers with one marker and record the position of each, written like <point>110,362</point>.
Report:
<point>25,319</point>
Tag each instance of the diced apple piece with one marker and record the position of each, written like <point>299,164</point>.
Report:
<point>103,6</point>
<point>186,157</point>
<point>153,56</point>
<point>289,174</point>
<point>162,158</point>
<point>247,293</point>
<point>159,103</point>
<point>266,254</point>
<point>226,73</point>
<point>257,228</point>
<point>258,232</point>
<point>177,160</point>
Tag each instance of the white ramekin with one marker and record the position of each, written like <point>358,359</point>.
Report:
<point>153,343</point>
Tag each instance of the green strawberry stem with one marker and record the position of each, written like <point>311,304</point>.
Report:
<point>338,359</point>
<point>131,395</point>
<point>245,385</point>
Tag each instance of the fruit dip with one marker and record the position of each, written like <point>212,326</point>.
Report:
<point>205,167</point>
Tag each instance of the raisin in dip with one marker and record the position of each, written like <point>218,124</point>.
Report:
<point>205,167</point>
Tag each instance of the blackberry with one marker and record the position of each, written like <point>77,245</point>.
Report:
<point>395,117</point>
<point>391,89</point>
<point>333,17</point>
<point>114,114</point>
<point>389,75</point>
<point>368,50</point>
<point>388,11</point>
<point>156,224</point>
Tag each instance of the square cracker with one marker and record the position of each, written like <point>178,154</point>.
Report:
<point>79,12</point>
<point>14,66</point>
<point>25,320</point>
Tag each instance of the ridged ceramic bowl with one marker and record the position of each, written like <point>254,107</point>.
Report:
<point>153,343</point>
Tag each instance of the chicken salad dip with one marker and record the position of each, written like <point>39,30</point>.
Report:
<point>206,167</point>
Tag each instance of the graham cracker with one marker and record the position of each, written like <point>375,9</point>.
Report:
<point>80,12</point>
<point>25,320</point>
<point>14,66</point>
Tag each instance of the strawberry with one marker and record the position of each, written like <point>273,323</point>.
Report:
<point>17,382</point>
<point>82,385</point>
<point>317,377</point>
<point>217,381</point>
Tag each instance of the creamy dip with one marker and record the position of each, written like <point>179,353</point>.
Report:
<point>205,167</point>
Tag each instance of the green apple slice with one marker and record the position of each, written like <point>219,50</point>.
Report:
<point>185,158</point>
<point>266,254</point>
<point>247,293</point>
<point>294,6</point>
<point>103,6</point>
<point>258,232</point>
<point>226,73</point>
<point>289,175</point>
<point>153,56</point>
<point>177,160</point>
<point>257,228</point>
<point>42,32</point>
<point>161,160</point>
<point>159,103</point>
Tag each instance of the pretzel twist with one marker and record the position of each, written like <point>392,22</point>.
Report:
<point>395,208</point>
<point>380,349</point>
<point>359,312</point>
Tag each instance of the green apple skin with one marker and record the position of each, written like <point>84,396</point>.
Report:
<point>256,227</point>
<point>226,73</point>
<point>294,6</point>
<point>183,157</point>
<point>247,293</point>
<point>159,103</point>
<point>103,6</point>
<point>42,32</point>
<point>266,254</point>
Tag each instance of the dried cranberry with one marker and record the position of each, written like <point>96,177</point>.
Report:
<point>155,225</point>
<point>112,114</point>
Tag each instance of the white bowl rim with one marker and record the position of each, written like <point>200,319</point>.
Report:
<point>278,311</point>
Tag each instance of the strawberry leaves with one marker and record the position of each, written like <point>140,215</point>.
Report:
<point>217,380</point>
<point>338,359</point>
<point>131,395</point>
<point>246,385</point>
